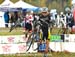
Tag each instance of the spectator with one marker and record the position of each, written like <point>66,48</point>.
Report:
<point>6,17</point>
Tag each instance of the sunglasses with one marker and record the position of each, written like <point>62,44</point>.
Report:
<point>44,12</point>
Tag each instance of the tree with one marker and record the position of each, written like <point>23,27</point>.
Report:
<point>68,3</point>
<point>14,1</point>
<point>1,1</point>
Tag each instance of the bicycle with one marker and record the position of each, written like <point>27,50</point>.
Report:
<point>34,35</point>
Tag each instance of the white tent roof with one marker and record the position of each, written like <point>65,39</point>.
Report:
<point>7,3</point>
<point>22,4</point>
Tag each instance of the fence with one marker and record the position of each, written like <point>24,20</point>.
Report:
<point>17,44</point>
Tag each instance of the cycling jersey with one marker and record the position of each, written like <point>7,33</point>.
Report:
<point>29,18</point>
<point>28,22</point>
<point>44,20</point>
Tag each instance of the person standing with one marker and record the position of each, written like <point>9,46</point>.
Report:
<point>6,17</point>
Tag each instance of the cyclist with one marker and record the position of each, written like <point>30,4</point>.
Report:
<point>28,23</point>
<point>44,19</point>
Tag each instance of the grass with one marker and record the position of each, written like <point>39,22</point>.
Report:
<point>5,31</point>
<point>53,54</point>
<point>19,31</point>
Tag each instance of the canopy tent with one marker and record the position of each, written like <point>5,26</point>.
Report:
<point>2,22</point>
<point>6,9</point>
<point>7,5</point>
<point>24,5</point>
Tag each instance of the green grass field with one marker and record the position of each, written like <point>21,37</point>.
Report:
<point>54,54</point>
<point>19,31</point>
<point>5,31</point>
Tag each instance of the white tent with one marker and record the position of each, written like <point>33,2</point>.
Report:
<point>24,5</point>
<point>7,3</point>
<point>3,8</point>
<point>2,22</point>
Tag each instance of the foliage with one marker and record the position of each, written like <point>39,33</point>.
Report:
<point>1,1</point>
<point>69,3</point>
<point>14,1</point>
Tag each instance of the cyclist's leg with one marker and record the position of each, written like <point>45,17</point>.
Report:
<point>12,26</point>
<point>45,36</point>
<point>29,31</point>
<point>26,30</point>
<point>47,44</point>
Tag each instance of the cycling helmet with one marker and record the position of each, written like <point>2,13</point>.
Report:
<point>29,11</point>
<point>44,9</point>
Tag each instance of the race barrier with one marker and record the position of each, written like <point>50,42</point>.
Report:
<point>16,48</point>
<point>69,38</point>
<point>63,38</point>
<point>12,48</point>
<point>13,39</point>
<point>22,39</point>
<point>17,44</point>
<point>21,47</point>
<point>57,38</point>
<point>63,46</point>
